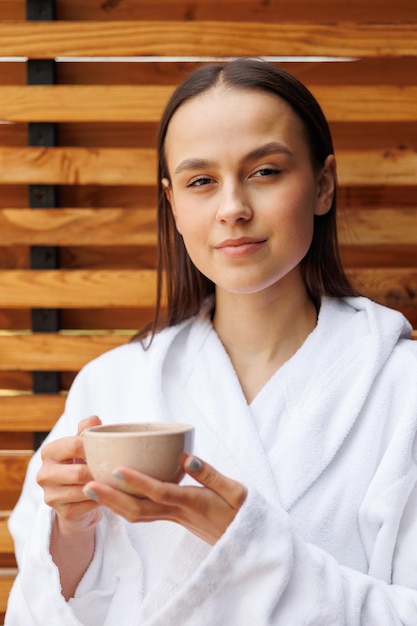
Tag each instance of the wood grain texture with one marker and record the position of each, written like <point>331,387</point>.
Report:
<point>394,287</point>
<point>50,351</point>
<point>7,577</point>
<point>117,226</point>
<point>6,543</point>
<point>113,166</point>
<point>78,166</point>
<point>377,167</point>
<point>13,464</point>
<point>75,288</point>
<point>368,227</point>
<point>29,413</point>
<point>83,226</point>
<point>206,38</point>
<point>145,103</point>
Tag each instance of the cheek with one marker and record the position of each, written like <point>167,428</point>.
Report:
<point>188,216</point>
<point>295,223</point>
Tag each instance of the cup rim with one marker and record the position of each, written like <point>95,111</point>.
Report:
<point>128,429</point>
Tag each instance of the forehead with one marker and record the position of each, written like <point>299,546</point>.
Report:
<point>225,116</point>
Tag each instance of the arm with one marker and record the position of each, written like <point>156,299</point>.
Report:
<point>62,477</point>
<point>259,570</point>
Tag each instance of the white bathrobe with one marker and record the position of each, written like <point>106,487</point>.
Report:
<point>328,533</point>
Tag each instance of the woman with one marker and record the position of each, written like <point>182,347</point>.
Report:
<point>300,507</point>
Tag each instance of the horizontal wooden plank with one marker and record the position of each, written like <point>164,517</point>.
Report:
<point>132,288</point>
<point>367,72</point>
<point>50,351</point>
<point>206,38</point>
<point>73,288</point>
<point>144,103</point>
<point>83,166</point>
<point>60,227</point>
<point>29,413</point>
<point>6,542</point>
<point>7,577</point>
<point>361,103</point>
<point>13,465</point>
<point>87,103</point>
<point>377,167</point>
<point>114,226</point>
<point>364,226</point>
<point>78,166</point>
<point>394,287</point>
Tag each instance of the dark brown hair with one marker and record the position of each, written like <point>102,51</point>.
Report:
<point>186,287</point>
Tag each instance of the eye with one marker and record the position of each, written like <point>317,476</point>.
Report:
<point>199,181</point>
<point>263,172</point>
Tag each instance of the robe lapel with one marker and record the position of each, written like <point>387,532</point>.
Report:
<point>207,393</point>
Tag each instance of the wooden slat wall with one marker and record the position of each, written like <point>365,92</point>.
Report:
<point>106,112</point>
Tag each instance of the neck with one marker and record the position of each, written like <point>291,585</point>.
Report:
<point>261,332</point>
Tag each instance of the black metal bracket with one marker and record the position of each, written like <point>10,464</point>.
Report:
<point>40,10</point>
<point>43,72</point>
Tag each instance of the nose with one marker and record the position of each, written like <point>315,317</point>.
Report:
<point>233,206</point>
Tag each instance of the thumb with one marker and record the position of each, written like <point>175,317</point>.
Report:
<point>233,492</point>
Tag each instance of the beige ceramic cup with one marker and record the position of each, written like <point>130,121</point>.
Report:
<point>154,448</point>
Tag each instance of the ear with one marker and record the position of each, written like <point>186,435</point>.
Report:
<point>326,186</point>
<point>166,185</point>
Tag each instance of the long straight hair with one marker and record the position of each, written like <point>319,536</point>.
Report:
<point>184,286</point>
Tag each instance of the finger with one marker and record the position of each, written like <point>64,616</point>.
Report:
<point>63,450</point>
<point>132,508</point>
<point>63,474</point>
<point>233,492</point>
<point>88,422</point>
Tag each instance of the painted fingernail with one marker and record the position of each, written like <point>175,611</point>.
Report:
<point>90,493</point>
<point>193,464</point>
<point>118,475</point>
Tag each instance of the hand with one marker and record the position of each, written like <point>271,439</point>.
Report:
<point>206,511</point>
<point>63,475</point>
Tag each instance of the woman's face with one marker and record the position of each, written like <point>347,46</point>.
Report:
<point>242,188</point>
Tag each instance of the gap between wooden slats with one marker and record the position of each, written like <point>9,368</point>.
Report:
<point>206,38</point>
<point>114,166</point>
<point>144,103</point>
<point>101,227</point>
<point>225,10</point>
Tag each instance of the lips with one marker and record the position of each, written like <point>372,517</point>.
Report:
<point>241,241</point>
<point>240,247</point>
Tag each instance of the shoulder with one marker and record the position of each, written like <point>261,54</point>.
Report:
<point>126,379</point>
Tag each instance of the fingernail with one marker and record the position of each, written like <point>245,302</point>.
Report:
<point>118,475</point>
<point>193,464</point>
<point>90,493</point>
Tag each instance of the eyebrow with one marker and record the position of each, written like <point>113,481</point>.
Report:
<point>274,147</point>
<point>193,164</point>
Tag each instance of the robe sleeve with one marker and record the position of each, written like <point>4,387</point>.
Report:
<point>260,572</point>
<point>36,598</point>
